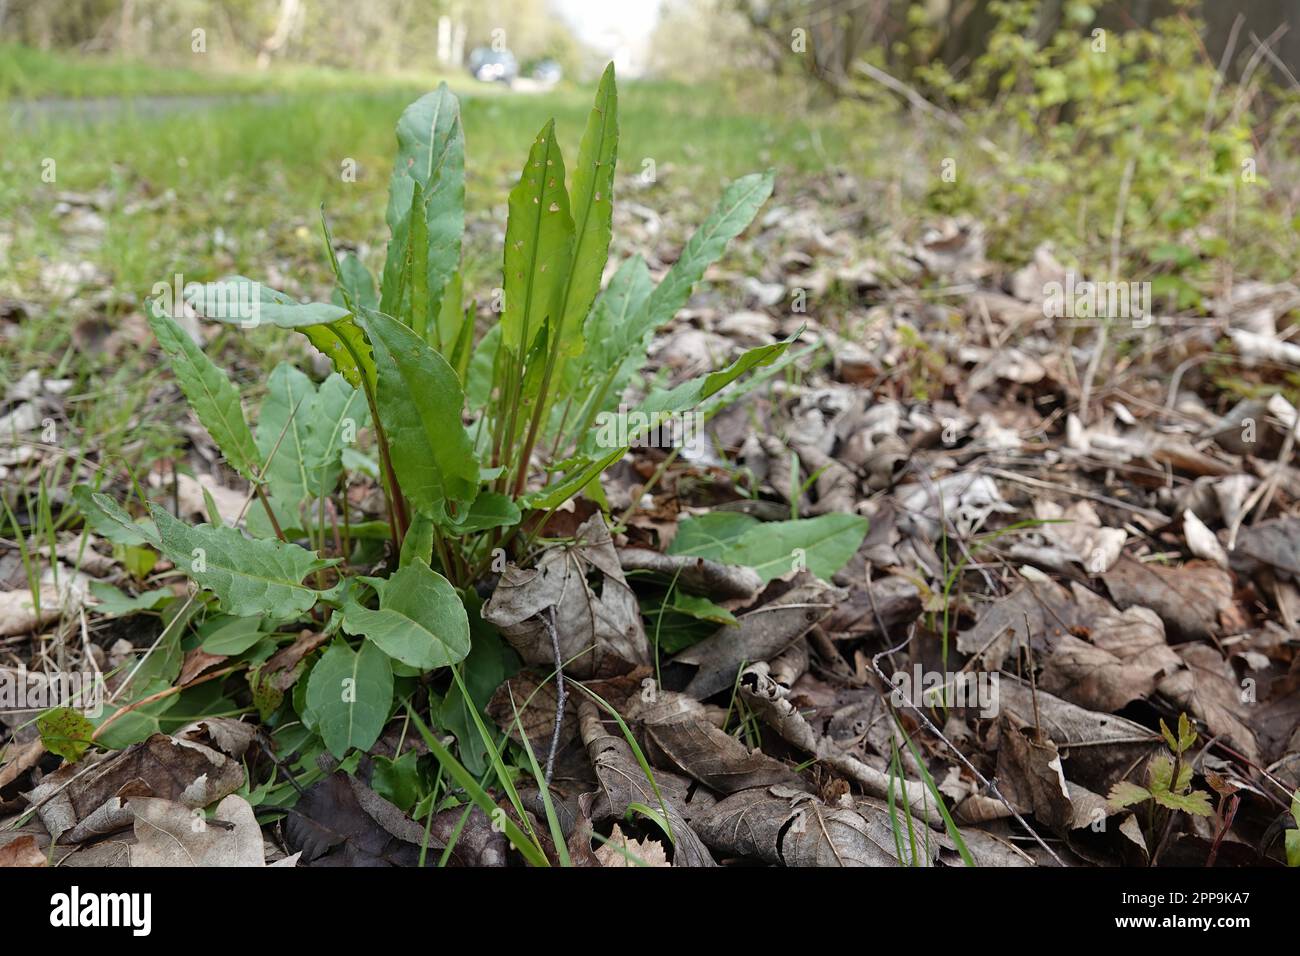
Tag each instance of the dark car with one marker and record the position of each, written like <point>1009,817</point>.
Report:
<point>548,72</point>
<point>493,66</point>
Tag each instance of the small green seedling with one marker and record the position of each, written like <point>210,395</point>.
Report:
<point>1169,778</point>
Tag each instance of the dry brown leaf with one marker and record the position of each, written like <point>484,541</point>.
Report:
<point>600,630</point>
<point>619,850</point>
<point>1189,598</point>
<point>22,852</point>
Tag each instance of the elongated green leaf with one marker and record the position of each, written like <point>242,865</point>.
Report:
<point>711,536</point>
<point>339,414</point>
<point>229,636</point>
<point>593,209</point>
<point>452,322</point>
<point>420,621</point>
<point>107,519</point>
<point>611,333</point>
<point>356,283</point>
<point>418,542</point>
<point>736,210</point>
<point>691,393</point>
<point>349,694</point>
<point>282,426</point>
<point>456,770</point>
<point>430,154</point>
<point>539,244</point>
<point>211,394</point>
<point>420,402</point>
<point>249,577</point>
<point>237,300</point>
<point>823,545</point>
<point>583,470</point>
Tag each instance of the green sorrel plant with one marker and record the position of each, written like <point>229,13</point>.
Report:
<point>478,438</point>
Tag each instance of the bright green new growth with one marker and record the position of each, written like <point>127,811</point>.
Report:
<point>478,437</point>
<point>1169,778</point>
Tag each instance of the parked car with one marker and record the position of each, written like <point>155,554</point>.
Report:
<point>493,66</point>
<point>548,72</point>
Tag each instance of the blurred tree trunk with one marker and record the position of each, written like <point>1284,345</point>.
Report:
<point>289,12</point>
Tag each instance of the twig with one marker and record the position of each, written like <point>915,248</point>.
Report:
<point>548,619</point>
<point>1103,333</point>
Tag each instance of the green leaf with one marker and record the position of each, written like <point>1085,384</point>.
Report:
<point>65,732</point>
<point>562,489</point>
<point>593,209</point>
<point>237,300</point>
<point>690,393</point>
<point>356,283</point>
<point>1168,734</point>
<point>418,543</point>
<point>339,414</point>
<point>262,577</point>
<point>701,608</point>
<point>484,669</point>
<point>827,543</point>
<point>397,781</point>
<point>1196,802</point>
<point>430,154</point>
<point>345,345</point>
<point>420,622</point>
<point>490,509</point>
<point>711,535</point>
<point>539,244</point>
<point>282,426</point>
<point>230,636</point>
<point>349,695</point>
<point>1125,794</point>
<point>108,520</point>
<point>210,392</point>
<point>114,603</point>
<point>1293,847</point>
<point>1162,773</point>
<point>736,210</point>
<point>420,402</point>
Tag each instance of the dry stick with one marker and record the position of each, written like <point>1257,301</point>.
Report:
<point>548,619</point>
<point>1080,492</point>
<point>1103,332</point>
<point>988,784</point>
<point>1224,62</point>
